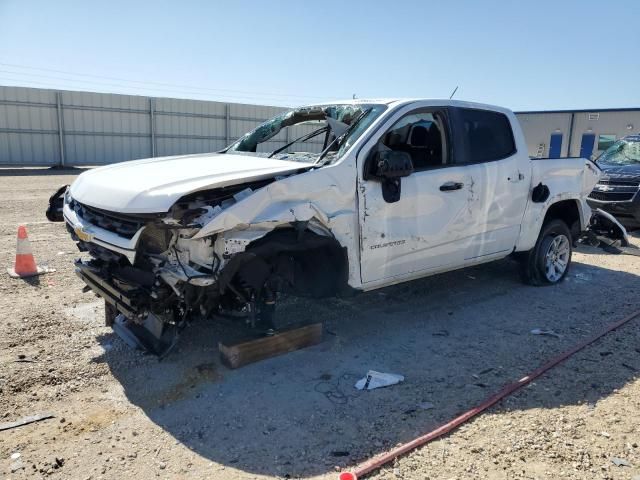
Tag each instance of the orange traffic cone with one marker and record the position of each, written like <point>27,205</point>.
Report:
<point>25,263</point>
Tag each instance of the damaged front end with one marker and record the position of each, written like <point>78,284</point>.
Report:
<point>156,275</point>
<point>152,275</point>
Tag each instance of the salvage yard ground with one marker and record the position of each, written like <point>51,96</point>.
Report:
<point>456,338</point>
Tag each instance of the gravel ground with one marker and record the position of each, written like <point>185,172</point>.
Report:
<point>457,338</point>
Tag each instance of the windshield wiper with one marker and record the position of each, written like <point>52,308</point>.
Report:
<point>341,138</point>
<point>303,138</point>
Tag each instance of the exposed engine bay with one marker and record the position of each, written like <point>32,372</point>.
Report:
<point>175,278</point>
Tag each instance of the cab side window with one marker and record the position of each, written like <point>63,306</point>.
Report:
<point>488,135</point>
<point>422,136</point>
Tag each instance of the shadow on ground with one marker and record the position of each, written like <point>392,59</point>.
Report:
<point>456,337</point>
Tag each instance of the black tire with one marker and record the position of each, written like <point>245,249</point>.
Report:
<point>543,263</point>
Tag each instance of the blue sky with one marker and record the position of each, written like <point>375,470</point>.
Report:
<point>523,55</point>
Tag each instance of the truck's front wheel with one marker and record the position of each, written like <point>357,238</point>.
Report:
<point>548,262</point>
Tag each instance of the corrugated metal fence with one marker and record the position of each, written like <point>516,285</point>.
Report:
<point>40,127</point>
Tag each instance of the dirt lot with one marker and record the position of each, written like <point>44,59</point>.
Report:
<point>457,338</point>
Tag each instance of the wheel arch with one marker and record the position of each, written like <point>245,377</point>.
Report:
<point>305,262</point>
<point>569,212</point>
<point>572,210</point>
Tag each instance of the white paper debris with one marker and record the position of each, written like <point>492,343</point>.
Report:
<point>620,462</point>
<point>551,333</point>
<point>583,276</point>
<point>375,379</point>
<point>426,405</point>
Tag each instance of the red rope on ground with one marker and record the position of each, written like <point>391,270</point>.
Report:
<point>380,460</point>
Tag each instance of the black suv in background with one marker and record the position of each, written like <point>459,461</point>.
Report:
<point>617,190</point>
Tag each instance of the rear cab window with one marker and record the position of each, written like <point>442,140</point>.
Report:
<point>481,135</point>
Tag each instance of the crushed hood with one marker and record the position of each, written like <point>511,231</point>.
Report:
<point>153,185</point>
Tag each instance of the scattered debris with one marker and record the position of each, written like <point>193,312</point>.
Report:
<point>334,391</point>
<point>16,462</point>
<point>550,333</point>
<point>22,358</point>
<point>375,379</point>
<point>606,232</point>
<point>483,372</point>
<point>583,276</point>
<point>340,453</point>
<point>441,333</point>
<point>25,421</point>
<point>620,462</point>
<point>17,465</point>
<point>240,354</point>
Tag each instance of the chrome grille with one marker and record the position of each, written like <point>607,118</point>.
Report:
<point>611,196</point>
<point>123,225</point>
<point>626,183</point>
<point>615,190</point>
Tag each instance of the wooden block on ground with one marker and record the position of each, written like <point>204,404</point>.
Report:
<point>240,354</point>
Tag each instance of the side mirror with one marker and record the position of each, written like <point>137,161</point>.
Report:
<point>388,167</point>
<point>391,164</point>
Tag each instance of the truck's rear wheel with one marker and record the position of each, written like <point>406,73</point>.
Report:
<point>547,263</point>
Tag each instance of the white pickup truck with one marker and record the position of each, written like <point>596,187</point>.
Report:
<point>322,200</point>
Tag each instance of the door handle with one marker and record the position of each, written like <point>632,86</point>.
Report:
<point>449,186</point>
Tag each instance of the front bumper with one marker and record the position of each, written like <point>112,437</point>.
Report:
<point>103,288</point>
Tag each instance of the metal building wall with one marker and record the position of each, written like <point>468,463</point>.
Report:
<point>538,129</point>
<point>572,124</point>
<point>618,123</point>
<point>40,127</point>
<point>29,127</point>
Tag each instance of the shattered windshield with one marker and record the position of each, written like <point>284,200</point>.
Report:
<point>309,134</point>
<point>624,152</point>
